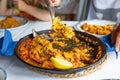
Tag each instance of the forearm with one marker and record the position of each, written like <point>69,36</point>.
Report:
<point>4,10</point>
<point>3,6</point>
<point>38,13</point>
<point>117,43</point>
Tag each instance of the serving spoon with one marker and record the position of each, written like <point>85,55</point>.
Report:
<point>70,43</point>
<point>51,10</point>
<point>34,32</point>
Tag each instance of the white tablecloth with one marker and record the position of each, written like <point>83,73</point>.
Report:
<point>16,70</point>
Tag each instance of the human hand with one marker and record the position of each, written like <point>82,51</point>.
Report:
<point>20,4</point>
<point>53,3</point>
<point>116,37</point>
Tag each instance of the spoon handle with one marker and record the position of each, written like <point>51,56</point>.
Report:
<point>51,10</point>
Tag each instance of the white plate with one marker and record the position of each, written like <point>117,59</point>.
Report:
<point>15,29</point>
<point>93,22</point>
<point>3,74</point>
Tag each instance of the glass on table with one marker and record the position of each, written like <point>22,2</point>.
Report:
<point>3,74</point>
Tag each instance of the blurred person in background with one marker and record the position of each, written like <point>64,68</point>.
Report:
<point>66,11</point>
<point>30,9</point>
<point>96,9</point>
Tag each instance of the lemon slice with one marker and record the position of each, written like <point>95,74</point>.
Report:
<point>60,63</point>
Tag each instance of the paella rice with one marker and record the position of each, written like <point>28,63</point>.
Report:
<point>38,50</point>
<point>97,29</point>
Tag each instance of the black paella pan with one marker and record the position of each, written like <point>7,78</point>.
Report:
<point>87,38</point>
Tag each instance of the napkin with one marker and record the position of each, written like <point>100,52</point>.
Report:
<point>107,41</point>
<point>7,45</point>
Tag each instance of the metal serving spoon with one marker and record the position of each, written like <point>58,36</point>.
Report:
<point>70,43</point>
<point>34,33</point>
<point>43,34</point>
<point>51,10</point>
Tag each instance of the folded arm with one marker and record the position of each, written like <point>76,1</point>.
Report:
<point>4,9</point>
<point>40,14</point>
<point>116,37</point>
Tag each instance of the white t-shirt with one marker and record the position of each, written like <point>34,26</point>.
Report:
<point>105,9</point>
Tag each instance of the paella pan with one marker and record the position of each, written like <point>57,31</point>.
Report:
<point>79,49</point>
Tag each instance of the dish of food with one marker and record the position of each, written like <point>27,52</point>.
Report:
<point>77,50</point>
<point>11,22</point>
<point>98,28</point>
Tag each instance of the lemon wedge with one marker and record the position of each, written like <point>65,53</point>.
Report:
<point>60,63</point>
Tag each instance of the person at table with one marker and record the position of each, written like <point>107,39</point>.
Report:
<point>30,9</point>
<point>97,9</point>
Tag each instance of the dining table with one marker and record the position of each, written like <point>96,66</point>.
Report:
<point>17,70</point>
